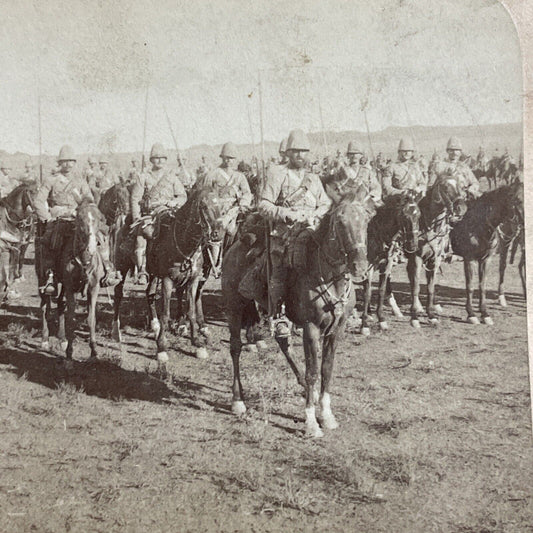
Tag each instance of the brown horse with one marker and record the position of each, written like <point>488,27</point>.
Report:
<point>443,204</point>
<point>392,231</point>
<point>475,238</point>
<point>16,225</point>
<point>174,257</point>
<point>78,267</point>
<point>319,299</point>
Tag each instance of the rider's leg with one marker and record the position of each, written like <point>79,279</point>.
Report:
<point>277,292</point>
<point>140,257</point>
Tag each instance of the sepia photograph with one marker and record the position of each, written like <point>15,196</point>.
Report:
<point>263,266</point>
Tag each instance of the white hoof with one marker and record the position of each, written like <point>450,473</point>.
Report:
<point>262,345</point>
<point>434,321</point>
<point>252,348</point>
<point>64,345</point>
<point>473,320</point>
<point>313,431</point>
<point>155,326</point>
<point>115,333</point>
<point>45,346</point>
<point>238,408</point>
<point>329,422</point>
<point>384,326</point>
<point>205,331</point>
<point>502,301</point>
<point>415,323</point>
<point>365,331</point>
<point>438,309</point>
<point>488,321</point>
<point>201,353</point>
<point>162,358</point>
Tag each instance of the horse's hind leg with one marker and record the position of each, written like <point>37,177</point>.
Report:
<point>92,297</point>
<point>237,402</point>
<point>61,306</point>
<point>328,357</point>
<point>119,294</point>
<point>70,322</point>
<point>287,349</point>
<point>503,265</point>
<point>311,338</point>
<point>482,270</point>
<point>392,300</point>
<point>46,317</point>
<point>431,278</point>
<point>468,265</point>
<point>414,264</point>
<point>151,293</point>
<point>166,293</point>
<point>196,340</point>
<point>381,299</point>
<point>365,327</point>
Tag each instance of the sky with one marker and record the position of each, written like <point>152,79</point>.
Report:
<point>92,65</point>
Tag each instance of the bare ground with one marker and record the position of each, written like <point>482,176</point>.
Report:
<point>435,430</point>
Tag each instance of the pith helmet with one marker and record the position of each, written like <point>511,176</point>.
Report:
<point>66,154</point>
<point>103,159</point>
<point>353,148</point>
<point>454,144</point>
<point>298,141</point>
<point>406,144</point>
<point>228,150</point>
<point>157,151</point>
<point>283,146</point>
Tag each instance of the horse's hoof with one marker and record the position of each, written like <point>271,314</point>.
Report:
<point>487,320</point>
<point>238,408</point>
<point>252,348</point>
<point>155,326</point>
<point>205,331</point>
<point>262,345</point>
<point>64,345</point>
<point>162,357</point>
<point>395,309</point>
<point>201,353</point>
<point>365,331</point>
<point>434,321</point>
<point>438,309</point>
<point>384,326</point>
<point>313,431</point>
<point>329,422</point>
<point>182,330</point>
<point>502,301</point>
<point>415,323</point>
<point>473,320</point>
<point>45,346</point>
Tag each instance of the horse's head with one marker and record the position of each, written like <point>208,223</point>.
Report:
<point>209,211</point>
<point>514,201</point>
<point>19,201</point>
<point>446,195</point>
<point>408,216</point>
<point>89,223</point>
<point>347,235</point>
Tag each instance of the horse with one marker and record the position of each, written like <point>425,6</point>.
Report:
<point>16,227</point>
<point>174,256</point>
<point>319,299</point>
<point>475,238</point>
<point>392,231</point>
<point>79,268</point>
<point>443,204</point>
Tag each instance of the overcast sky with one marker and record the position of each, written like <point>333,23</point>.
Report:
<point>405,62</point>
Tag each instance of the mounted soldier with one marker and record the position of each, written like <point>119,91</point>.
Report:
<point>452,166</point>
<point>283,159</point>
<point>156,188</point>
<point>232,189</point>
<point>55,205</point>
<point>291,200</point>
<point>7,183</point>
<point>29,175</point>
<point>133,173</point>
<point>186,177</point>
<point>91,172</point>
<point>405,174</point>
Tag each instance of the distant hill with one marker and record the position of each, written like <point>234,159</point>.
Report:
<point>427,139</point>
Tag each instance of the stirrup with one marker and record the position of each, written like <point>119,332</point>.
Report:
<point>49,288</point>
<point>111,279</point>
<point>282,327</point>
<point>141,274</point>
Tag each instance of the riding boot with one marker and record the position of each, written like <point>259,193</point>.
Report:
<point>142,275</point>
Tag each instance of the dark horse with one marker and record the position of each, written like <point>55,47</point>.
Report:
<point>78,267</point>
<point>443,204</point>
<point>16,223</point>
<point>393,230</point>
<point>319,299</point>
<point>475,238</point>
<point>174,257</point>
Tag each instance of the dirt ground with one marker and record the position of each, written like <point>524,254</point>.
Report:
<point>435,428</point>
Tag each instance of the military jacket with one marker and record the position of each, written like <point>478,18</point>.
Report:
<point>458,170</point>
<point>59,196</point>
<point>401,176</point>
<point>186,178</point>
<point>296,190</point>
<point>232,187</point>
<point>156,188</point>
<point>366,177</point>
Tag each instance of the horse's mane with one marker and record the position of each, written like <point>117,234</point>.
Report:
<point>480,209</point>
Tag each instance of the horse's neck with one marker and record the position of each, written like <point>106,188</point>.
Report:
<point>328,263</point>
<point>430,212</point>
<point>387,224</point>
<point>188,229</point>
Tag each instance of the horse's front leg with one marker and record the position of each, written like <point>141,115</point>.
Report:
<point>70,322</point>
<point>192,295</point>
<point>200,319</point>
<point>46,317</point>
<point>414,265</point>
<point>468,265</point>
<point>482,274</point>
<point>328,358</point>
<point>381,299</point>
<point>431,278</point>
<point>311,340</point>
<point>367,286</point>
<point>503,265</point>
<point>167,284</point>
<point>235,346</point>
<point>92,298</point>
<point>151,293</point>
<point>392,300</point>
<point>119,294</point>
<point>61,306</point>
